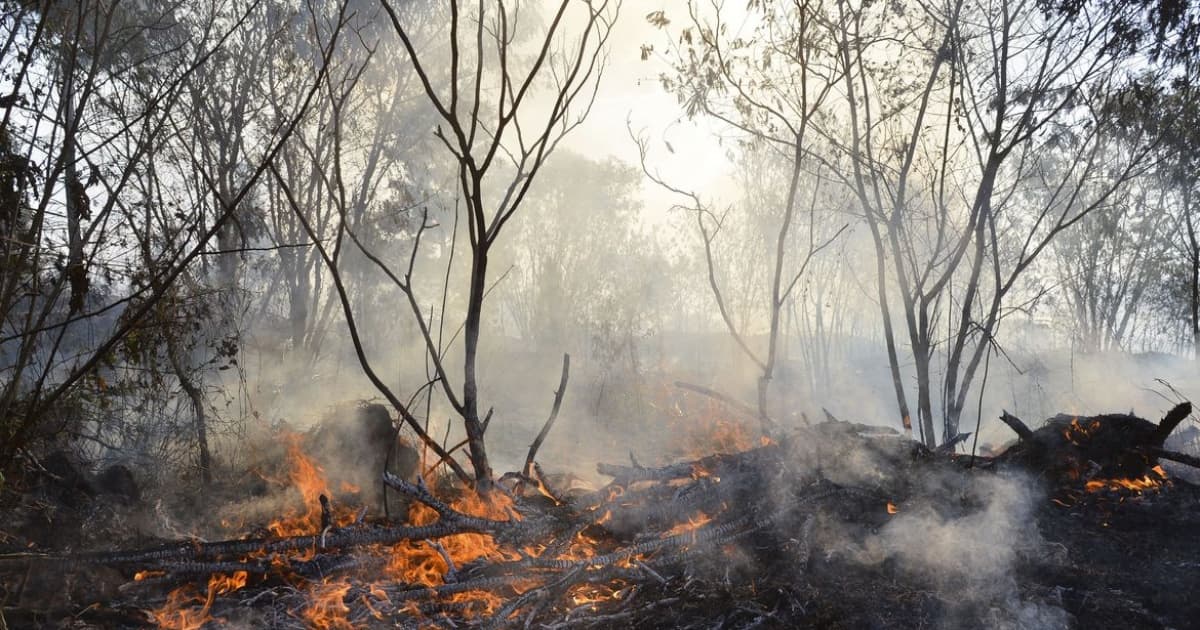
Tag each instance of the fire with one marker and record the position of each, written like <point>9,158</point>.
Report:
<point>694,523</point>
<point>480,602</point>
<point>891,508</point>
<point>309,480</point>
<point>328,609</point>
<point>412,563</point>
<point>222,584</point>
<point>1137,486</point>
<point>583,546</point>
<point>419,563</point>
<point>1075,432</point>
<point>701,425</point>
<point>375,595</point>
<point>592,594</point>
<point>180,611</point>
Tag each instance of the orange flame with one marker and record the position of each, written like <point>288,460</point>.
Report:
<point>327,609</point>
<point>703,426</point>
<point>418,563</point>
<point>1135,485</point>
<point>309,479</point>
<point>694,522</point>
<point>180,611</point>
<point>1075,432</point>
<point>414,563</point>
<point>891,508</point>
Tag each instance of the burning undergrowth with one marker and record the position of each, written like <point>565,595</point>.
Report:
<point>834,525</point>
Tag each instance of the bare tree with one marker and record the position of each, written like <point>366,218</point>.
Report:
<point>774,88</point>
<point>88,47</point>
<point>1110,262</point>
<point>498,134</point>
<point>938,166</point>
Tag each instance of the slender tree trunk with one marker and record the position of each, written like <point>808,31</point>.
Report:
<point>196,396</point>
<point>475,442</point>
<point>1194,247</point>
<point>889,334</point>
<point>298,307</point>
<point>76,197</point>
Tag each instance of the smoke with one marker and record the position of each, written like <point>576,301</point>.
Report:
<point>965,537</point>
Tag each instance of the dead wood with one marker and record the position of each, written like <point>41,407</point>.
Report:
<point>335,539</point>
<point>727,400</point>
<point>1176,415</point>
<point>1014,423</point>
<point>654,534</point>
<point>1180,458</point>
<point>558,398</point>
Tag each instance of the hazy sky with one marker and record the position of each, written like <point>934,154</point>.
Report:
<point>630,90</point>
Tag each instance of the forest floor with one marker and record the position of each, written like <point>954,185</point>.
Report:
<point>836,526</point>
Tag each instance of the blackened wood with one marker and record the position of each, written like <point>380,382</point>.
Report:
<point>733,403</point>
<point>1180,458</point>
<point>1014,423</point>
<point>558,398</point>
<point>1176,415</point>
<point>336,539</point>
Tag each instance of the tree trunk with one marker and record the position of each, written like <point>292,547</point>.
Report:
<point>1194,247</point>
<point>475,443</point>
<point>200,421</point>
<point>76,200</point>
<point>889,333</point>
<point>921,357</point>
<point>298,308</point>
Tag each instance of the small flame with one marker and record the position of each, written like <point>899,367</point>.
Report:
<point>702,425</point>
<point>1155,480</point>
<point>180,612</point>
<point>415,563</point>
<point>1075,432</point>
<point>694,523</point>
<point>891,508</point>
<point>1138,485</point>
<point>222,584</point>
<point>328,609</point>
<point>592,594</point>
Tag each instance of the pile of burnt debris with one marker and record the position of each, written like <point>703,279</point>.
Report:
<point>836,525</point>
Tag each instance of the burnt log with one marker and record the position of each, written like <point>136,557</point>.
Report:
<point>1070,448</point>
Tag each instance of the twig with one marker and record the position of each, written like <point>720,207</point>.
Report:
<point>718,396</point>
<point>451,571</point>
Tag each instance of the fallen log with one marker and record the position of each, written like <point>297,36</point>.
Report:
<point>336,539</point>
<point>1069,448</point>
<point>1018,427</point>
<point>1180,458</point>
